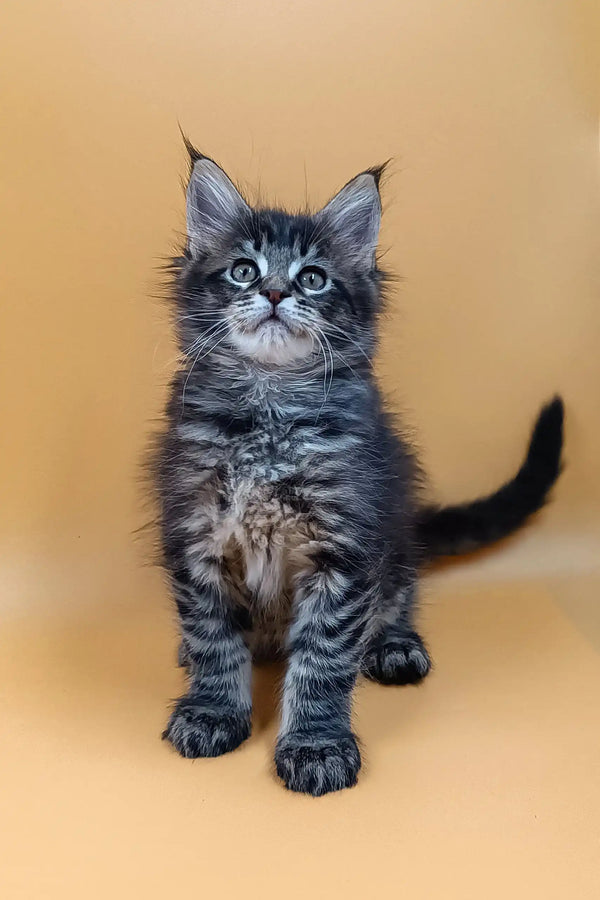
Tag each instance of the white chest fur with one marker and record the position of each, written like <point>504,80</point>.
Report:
<point>258,534</point>
<point>243,513</point>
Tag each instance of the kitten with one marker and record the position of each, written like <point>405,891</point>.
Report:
<point>291,525</point>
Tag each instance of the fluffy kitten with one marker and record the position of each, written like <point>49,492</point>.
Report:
<point>290,519</point>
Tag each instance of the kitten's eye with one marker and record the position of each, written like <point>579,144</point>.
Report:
<point>312,279</point>
<point>244,271</point>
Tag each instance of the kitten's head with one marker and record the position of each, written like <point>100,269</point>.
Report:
<point>278,288</point>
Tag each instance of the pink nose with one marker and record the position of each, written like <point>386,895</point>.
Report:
<point>275,297</point>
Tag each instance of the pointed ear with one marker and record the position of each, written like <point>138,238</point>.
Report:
<point>213,205</point>
<point>353,216</point>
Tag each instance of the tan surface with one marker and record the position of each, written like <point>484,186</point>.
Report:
<point>487,779</point>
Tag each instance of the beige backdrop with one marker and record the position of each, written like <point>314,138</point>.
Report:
<point>484,781</point>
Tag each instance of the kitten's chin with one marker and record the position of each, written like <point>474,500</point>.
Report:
<point>272,343</point>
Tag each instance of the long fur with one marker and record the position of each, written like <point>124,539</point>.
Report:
<point>290,516</point>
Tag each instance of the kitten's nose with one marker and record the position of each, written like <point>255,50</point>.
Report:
<point>275,297</point>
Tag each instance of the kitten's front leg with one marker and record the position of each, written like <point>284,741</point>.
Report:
<point>316,751</point>
<point>214,716</point>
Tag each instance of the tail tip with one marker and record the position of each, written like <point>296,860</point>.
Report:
<point>547,439</point>
<point>554,411</point>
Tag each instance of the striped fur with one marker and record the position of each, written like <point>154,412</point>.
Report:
<point>288,500</point>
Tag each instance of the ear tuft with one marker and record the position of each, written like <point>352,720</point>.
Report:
<point>193,153</point>
<point>378,171</point>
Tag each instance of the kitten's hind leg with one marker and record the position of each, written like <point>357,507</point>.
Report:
<point>395,653</point>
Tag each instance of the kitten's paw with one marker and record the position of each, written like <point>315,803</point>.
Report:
<point>397,660</point>
<point>317,766</point>
<point>196,730</point>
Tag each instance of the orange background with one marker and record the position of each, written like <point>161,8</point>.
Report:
<point>484,781</point>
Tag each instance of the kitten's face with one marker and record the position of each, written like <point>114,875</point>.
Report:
<point>278,288</point>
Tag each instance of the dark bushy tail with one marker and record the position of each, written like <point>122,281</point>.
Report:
<point>451,530</point>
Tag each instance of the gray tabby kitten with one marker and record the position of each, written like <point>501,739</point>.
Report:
<point>290,518</point>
